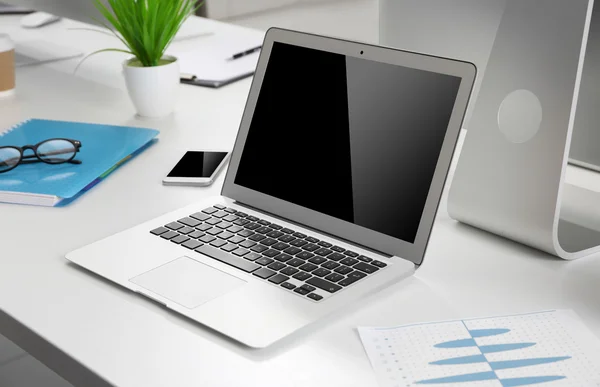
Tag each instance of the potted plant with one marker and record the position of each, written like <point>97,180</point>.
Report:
<point>147,28</point>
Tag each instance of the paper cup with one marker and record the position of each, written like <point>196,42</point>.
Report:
<point>7,66</point>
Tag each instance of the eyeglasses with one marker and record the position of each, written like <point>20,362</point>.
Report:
<point>52,151</point>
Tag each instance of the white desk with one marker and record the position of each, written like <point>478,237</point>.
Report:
<point>90,331</point>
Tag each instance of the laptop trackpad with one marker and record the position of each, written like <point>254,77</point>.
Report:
<point>187,282</point>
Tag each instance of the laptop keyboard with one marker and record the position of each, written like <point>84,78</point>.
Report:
<point>269,251</point>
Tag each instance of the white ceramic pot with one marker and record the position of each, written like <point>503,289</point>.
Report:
<point>153,90</point>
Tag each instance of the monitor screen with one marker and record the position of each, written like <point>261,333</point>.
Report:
<point>351,138</point>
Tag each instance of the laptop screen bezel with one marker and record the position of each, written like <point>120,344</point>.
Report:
<point>351,232</point>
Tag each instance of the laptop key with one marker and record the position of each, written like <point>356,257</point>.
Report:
<point>235,229</point>
<point>337,249</point>
<point>330,265</point>
<point>298,243</point>
<point>263,222</point>
<point>334,277</point>
<point>219,206</point>
<point>364,259</point>
<point>263,230</point>
<point>287,238</point>
<point>317,260</point>
<point>264,261</point>
<point>287,230</point>
<point>186,230</point>
<point>174,226</point>
<point>218,243</point>
<point>301,291</point>
<point>283,257</point>
<point>200,216</point>
<point>271,253</point>
<point>189,222</point>
<point>236,239</point>
<point>264,273</point>
<point>228,259</point>
<point>352,278</point>
<point>196,234</point>
<point>321,272</point>
<point>365,267</point>
<point>203,227</point>
<point>277,266</point>
<point>323,252</point>
<point>241,214</point>
<point>257,237</point>
<point>252,218</point>
<point>351,253</point>
<point>288,285</point>
<point>305,255</point>
<point>302,276</point>
<point>160,230</point>
<point>324,244</point>
<point>169,235</point>
<point>247,244</point>
<point>349,261</point>
<point>289,271</point>
<point>299,235</point>
<point>292,250</point>
<point>268,241</point>
<point>180,239</point>
<point>240,252</point>
<point>275,226</point>
<point>308,267</point>
<point>213,221</point>
<point>224,225</point>
<point>210,210</point>
<point>275,234</point>
<point>336,256</point>
<point>280,246</point>
<point>310,247</point>
<point>252,226</point>
<point>192,244</point>
<point>207,239</point>
<point>230,210</point>
<point>295,262</point>
<point>229,247</point>
<point>220,214</point>
<point>241,222</point>
<point>225,235</point>
<point>259,248</point>
<point>245,233</point>
<point>315,297</point>
<point>252,256</point>
<point>343,270</point>
<point>308,288</point>
<point>278,278</point>
<point>230,218</point>
<point>379,264</point>
<point>323,284</point>
<point>311,240</point>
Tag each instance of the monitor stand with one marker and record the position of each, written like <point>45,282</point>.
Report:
<point>510,178</point>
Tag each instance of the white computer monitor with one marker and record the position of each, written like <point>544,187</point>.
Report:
<point>81,10</point>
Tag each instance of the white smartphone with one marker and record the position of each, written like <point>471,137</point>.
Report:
<point>197,168</point>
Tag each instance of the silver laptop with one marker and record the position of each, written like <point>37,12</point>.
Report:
<point>333,187</point>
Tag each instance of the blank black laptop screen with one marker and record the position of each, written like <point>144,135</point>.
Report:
<point>351,138</point>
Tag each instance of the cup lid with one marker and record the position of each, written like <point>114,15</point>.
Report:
<point>6,44</point>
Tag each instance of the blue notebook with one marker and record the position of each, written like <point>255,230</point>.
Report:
<point>103,149</point>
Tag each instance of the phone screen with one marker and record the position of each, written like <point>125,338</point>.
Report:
<point>197,164</point>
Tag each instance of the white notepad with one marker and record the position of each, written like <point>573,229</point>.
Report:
<point>551,348</point>
<point>209,58</point>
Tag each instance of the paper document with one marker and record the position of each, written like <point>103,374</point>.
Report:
<point>209,59</point>
<point>551,348</point>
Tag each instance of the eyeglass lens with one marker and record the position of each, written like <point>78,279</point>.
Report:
<point>9,157</point>
<point>56,151</point>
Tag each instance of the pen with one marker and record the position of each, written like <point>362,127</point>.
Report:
<point>244,53</point>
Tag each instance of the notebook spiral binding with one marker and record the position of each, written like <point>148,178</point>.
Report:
<point>14,127</point>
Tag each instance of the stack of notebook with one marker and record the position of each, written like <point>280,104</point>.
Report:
<point>103,149</point>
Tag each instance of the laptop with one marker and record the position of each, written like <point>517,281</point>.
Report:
<point>331,193</point>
